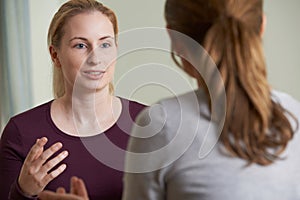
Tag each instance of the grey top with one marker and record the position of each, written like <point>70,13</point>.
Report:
<point>179,157</point>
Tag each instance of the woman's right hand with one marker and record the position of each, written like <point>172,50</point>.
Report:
<point>34,175</point>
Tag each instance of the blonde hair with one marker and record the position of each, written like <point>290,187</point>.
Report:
<point>256,128</point>
<point>56,32</point>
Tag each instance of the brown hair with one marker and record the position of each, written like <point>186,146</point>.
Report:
<point>256,127</point>
<point>56,32</point>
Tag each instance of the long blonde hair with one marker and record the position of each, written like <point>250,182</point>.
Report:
<point>56,32</point>
<point>256,127</point>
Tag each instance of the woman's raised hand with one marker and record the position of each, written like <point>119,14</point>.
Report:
<point>77,192</point>
<point>35,175</point>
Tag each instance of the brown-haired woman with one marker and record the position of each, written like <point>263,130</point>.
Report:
<point>84,118</point>
<point>255,156</point>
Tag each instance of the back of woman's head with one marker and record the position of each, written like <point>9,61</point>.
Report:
<point>256,128</point>
<point>56,31</point>
<point>195,17</point>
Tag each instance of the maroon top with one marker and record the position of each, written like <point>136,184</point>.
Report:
<point>98,160</point>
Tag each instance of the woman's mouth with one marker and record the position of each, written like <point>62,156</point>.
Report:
<point>93,74</point>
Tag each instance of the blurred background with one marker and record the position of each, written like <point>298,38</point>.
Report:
<point>26,70</point>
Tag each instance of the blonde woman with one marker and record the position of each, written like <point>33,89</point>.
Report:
<point>43,147</point>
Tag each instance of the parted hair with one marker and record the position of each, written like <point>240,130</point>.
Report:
<point>56,31</point>
<point>256,127</point>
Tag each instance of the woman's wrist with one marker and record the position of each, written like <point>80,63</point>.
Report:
<point>16,193</point>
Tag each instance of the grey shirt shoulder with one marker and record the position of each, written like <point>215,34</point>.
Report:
<point>188,168</point>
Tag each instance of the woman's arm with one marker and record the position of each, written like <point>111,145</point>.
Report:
<point>11,159</point>
<point>25,178</point>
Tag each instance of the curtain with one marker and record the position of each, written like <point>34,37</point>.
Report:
<point>15,55</point>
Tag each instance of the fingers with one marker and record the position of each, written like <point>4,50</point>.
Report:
<point>77,192</point>
<point>53,162</point>
<point>73,185</point>
<point>49,177</point>
<point>78,187</point>
<point>40,168</point>
<point>81,189</point>
<point>60,190</point>
<point>34,174</point>
<point>36,149</point>
<point>48,153</point>
<point>48,195</point>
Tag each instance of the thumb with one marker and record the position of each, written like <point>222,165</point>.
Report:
<point>48,195</point>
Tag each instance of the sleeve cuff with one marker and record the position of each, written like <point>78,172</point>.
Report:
<point>17,194</point>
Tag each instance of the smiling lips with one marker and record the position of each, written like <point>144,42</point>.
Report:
<point>93,74</point>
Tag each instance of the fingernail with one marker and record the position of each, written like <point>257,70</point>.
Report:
<point>42,140</point>
<point>65,153</point>
<point>59,145</point>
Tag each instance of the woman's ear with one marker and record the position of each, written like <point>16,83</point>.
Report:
<point>263,25</point>
<point>54,56</point>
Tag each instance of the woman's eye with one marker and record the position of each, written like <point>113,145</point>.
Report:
<point>105,45</point>
<point>80,46</point>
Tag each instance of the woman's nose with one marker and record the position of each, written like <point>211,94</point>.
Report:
<point>94,58</point>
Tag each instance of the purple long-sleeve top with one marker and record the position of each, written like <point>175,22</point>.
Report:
<point>98,159</point>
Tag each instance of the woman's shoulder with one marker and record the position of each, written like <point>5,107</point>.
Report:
<point>287,101</point>
<point>24,127</point>
<point>170,112</point>
<point>34,113</point>
<point>283,95</point>
<point>132,106</point>
<point>133,103</point>
<point>184,105</point>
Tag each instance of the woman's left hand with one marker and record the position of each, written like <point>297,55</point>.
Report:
<point>77,192</point>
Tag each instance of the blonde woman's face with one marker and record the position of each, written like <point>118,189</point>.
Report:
<point>88,52</point>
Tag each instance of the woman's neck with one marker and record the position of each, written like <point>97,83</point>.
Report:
<point>89,113</point>
<point>84,107</point>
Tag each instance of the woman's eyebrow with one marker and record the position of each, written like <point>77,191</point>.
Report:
<point>85,39</point>
<point>106,37</point>
<point>78,38</point>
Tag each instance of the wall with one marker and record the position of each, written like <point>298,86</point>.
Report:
<point>41,14</point>
<point>280,40</point>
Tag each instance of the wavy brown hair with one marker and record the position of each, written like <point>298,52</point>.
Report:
<point>256,127</point>
<point>56,31</point>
